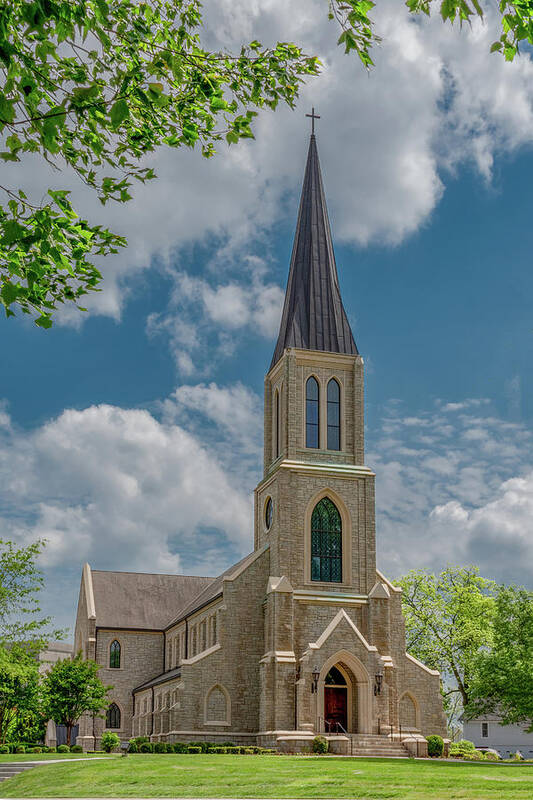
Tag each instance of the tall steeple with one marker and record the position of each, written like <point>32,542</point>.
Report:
<point>313,314</point>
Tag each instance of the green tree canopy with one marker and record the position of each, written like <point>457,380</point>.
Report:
<point>504,675</point>
<point>72,688</point>
<point>20,584</point>
<point>448,618</point>
<point>19,687</point>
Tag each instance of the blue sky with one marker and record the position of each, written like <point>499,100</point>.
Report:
<point>112,427</point>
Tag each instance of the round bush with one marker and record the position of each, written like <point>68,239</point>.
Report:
<point>51,749</point>
<point>491,755</point>
<point>63,748</point>
<point>146,747</point>
<point>19,749</point>
<point>180,747</point>
<point>320,745</point>
<point>193,749</point>
<point>76,748</point>
<point>133,747</point>
<point>4,749</point>
<point>435,746</point>
<point>160,747</point>
<point>474,755</point>
<point>109,741</point>
<point>461,748</point>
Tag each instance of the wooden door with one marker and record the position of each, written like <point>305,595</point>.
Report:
<point>336,707</point>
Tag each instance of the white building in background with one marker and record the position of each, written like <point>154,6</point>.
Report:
<point>56,651</point>
<point>487,732</point>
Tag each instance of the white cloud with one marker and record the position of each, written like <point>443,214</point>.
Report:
<point>462,494</point>
<point>119,488</point>
<point>436,99</point>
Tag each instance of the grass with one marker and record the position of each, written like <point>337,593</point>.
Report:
<point>273,777</point>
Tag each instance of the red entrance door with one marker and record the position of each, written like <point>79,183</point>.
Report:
<point>335,707</point>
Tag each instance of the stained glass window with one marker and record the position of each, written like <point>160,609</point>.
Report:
<point>112,717</point>
<point>334,415</point>
<point>312,427</point>
<point>335,678</point>
<point>269,511</point>
<point>326,542</point>
<point>114,655</point>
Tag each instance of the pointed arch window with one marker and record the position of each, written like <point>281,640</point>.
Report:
<point>112,717</point>
<point>312,417</point>
<point>326,542</point>
<point>276,425</point>
<point>334,415</point>
<point>114,655</point>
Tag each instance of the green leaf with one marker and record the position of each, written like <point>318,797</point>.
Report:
<point>119,112</point>
<point>44,321</point>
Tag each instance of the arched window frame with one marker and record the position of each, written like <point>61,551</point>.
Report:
<point>115,654</point>
<point>113,715</point>
<point>225,692</point>
<point>326,542</point>
<point>312,413</point>
<point>276,424</point>
<point>346,536</point>
<point>333,416</point>
<point>416,707</point>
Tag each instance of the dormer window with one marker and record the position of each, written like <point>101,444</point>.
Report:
<point>312,413</point>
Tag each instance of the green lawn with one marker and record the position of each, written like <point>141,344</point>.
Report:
<point>273,776</point>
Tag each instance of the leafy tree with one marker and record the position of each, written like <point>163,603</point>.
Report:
<point>19,687</point>
<point>504,677</point>
<point>20,583</point>
<point>72,688</point>
<point>448,618</point>
<point>95,85</point>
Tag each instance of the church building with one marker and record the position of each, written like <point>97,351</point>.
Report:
<point>304,635</point>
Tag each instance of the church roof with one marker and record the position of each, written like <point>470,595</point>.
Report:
<point>212,591</point>
<point>142,600</point>
<point>170,675</point>
<point>313,314</point>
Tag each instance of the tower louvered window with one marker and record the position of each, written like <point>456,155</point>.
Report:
<point>334,415</point>
<point>112,717</point>
<point>114,655</point>
<point>326,542</point>
<point>312,425</point>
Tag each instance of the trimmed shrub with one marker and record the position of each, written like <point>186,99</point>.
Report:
<point>248,751</point>
<point>63,748</point>
<point>435,746</point>
<point>180,747</point>
<point>132,747</point>
<point>460,748</point>
<point>21,749</point>
<point>51,749</point>
<point>266,751</point>
<point>204,746</point>
<point>227,744</point>
<point>160,747</point>
<point>219,749</point>
<point>76,748</point>
<point>146,747</point>
<point>474,755</point>
<point>4,749</point>
<point>140,740</point>
<point>193,749</point>
<point>36,749</point>
<point>233,749</point>
<point>320,745</point>
<point>491,755</point>
<point>109,741</point>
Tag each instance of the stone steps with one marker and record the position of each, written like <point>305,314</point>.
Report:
<point>9,770</point>
<point>373,745</point>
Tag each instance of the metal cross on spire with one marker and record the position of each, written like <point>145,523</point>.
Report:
<point>313,116</point>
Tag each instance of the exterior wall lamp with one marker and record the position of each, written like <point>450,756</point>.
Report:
<point>316,676</point>
<point>378,680</point>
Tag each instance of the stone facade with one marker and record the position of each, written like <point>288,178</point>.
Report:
<point>251,656</point>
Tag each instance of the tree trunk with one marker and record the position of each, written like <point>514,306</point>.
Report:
<point>69,732</point>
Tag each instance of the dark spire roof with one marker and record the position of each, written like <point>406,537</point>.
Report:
<point>313,315</point>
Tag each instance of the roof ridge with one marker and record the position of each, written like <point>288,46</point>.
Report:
<point>162,574</point>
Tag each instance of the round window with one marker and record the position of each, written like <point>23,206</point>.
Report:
<point>269,511</point>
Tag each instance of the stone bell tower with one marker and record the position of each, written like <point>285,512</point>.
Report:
<point>314,422</point>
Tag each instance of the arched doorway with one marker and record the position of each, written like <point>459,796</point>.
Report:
<point>335,701</point>
<point>344,694</point>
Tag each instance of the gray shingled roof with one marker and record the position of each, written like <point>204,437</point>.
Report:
<point>142,600</point>
<point>163,678</point>
<point>313,315</point>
